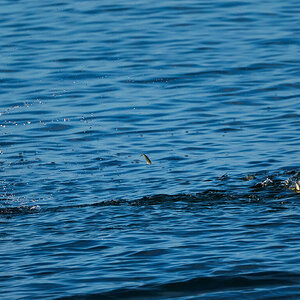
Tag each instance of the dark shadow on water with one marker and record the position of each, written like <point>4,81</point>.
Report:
<point>200,286</point>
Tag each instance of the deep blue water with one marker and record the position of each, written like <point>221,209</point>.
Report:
<point>209,90</point>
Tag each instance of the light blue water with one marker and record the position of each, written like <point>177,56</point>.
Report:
<point>209,90</point>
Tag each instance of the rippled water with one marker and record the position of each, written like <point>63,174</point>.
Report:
<point>209,90</point>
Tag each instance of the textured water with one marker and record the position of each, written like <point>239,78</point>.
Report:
<point>209,90</point>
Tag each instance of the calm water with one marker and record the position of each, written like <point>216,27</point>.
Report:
<point>209,90</point>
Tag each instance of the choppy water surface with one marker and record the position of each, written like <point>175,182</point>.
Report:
<point>209,90</point>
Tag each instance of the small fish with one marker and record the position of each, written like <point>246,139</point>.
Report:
<point>35,207</point>
<point>249,177</point>
<point>147,159</point>
<point>297,187</point>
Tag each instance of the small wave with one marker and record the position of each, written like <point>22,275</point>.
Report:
<point>19,210</point>
<point>250,188</point>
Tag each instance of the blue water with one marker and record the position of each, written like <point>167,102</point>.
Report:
<point>209,90</point>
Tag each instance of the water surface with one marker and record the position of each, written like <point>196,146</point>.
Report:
<point>208,90</point>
